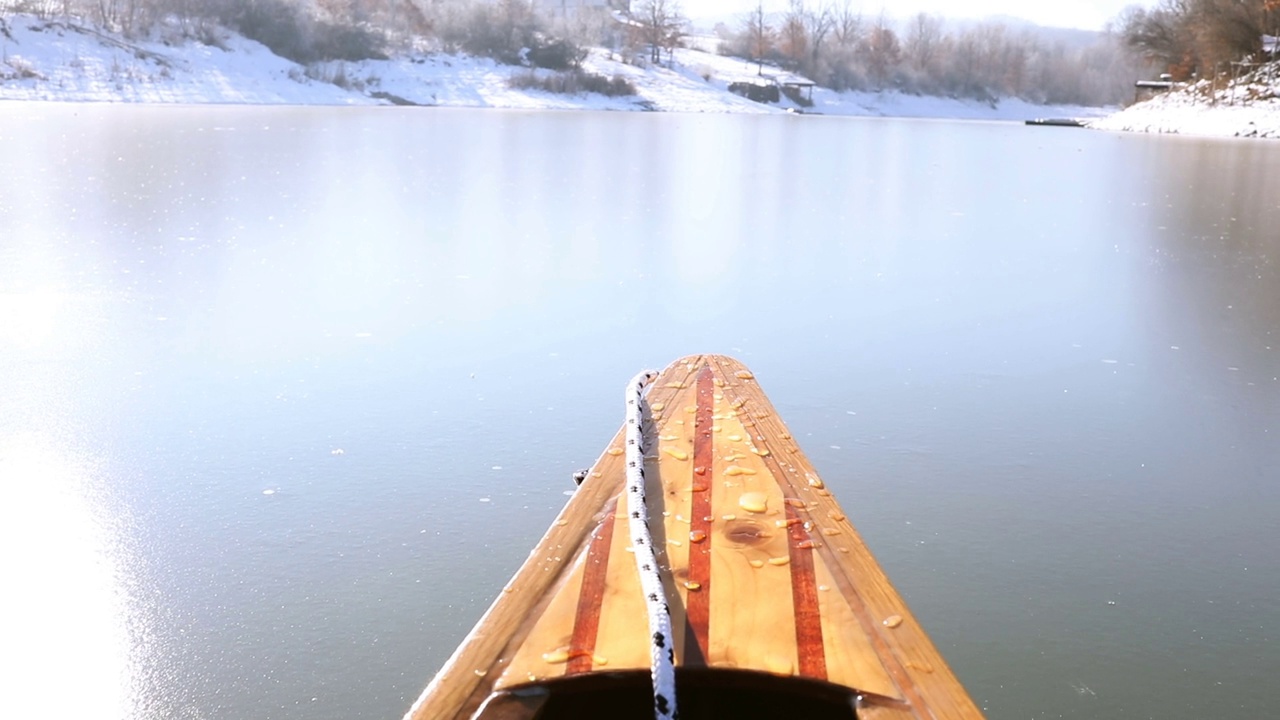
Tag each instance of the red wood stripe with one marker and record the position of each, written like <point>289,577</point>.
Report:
<point>804,597</point>
<point>698,603</point>
<point>870,628</point>
<point>586,621</point>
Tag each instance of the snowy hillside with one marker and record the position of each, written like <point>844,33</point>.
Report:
<point>1249,107</point>
<point>64,61</point>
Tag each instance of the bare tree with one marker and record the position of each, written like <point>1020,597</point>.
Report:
<point>882,51</point>
<point>760,35</point>
<point>793,38</point>
<point>660,25</point>
<point>924,36</point>
<point>1162,35</point>
<point>846,26</point>
<point>819,25</point>
<point>1228,30</point>
<point>1190,36</point>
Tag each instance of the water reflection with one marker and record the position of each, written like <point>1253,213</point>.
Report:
<point>1036,391</point>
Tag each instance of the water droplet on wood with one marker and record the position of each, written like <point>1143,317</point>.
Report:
<point>756,502</point>
<point>556,657</point>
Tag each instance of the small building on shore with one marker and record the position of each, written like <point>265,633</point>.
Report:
<point>1147,89</point>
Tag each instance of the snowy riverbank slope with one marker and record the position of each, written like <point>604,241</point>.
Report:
<point>1248,107</point>
<point>61,61</point>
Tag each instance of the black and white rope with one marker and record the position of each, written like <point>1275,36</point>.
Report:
<point>662,654</point>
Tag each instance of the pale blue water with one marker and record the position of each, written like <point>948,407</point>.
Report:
<point>1037,366</point>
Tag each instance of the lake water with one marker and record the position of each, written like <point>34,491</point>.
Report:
<point>288,393</point>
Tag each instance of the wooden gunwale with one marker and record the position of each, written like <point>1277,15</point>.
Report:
<point>838,603</point>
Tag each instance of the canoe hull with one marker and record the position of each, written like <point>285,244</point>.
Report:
<point>774,596</point>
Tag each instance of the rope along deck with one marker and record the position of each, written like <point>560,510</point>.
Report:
<point>662,654</point>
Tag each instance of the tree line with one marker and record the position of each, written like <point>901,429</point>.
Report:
<point>839,47</point>
<point>1199,38</point>
<point>831,43</point>
<point>314,30</point>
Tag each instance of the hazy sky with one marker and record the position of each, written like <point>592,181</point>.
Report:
<point>1086,14</point>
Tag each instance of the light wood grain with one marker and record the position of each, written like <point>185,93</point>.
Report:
<point>768,536</point>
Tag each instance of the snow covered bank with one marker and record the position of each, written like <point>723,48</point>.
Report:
<point>64,61</point>
<point>1249,107</point>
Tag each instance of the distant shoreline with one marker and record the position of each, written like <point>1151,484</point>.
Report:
<point>48,61</point>
<point>62,61</point>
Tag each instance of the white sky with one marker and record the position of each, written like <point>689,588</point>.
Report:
<point>1085,14</point>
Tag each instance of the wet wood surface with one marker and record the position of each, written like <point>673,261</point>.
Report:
<point>766,572</point>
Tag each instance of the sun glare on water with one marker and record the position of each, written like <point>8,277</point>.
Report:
<point>64,609</point>
<point>29,319</point>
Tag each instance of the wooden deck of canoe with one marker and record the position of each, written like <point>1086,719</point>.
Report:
<point>777,604</point>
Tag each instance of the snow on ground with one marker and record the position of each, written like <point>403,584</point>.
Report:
<point>42,60</point>
<point>66,61</point>
<point>720,71</point>
<point>1248,108</point>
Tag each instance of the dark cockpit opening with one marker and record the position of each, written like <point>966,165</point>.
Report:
<point>702,694</point>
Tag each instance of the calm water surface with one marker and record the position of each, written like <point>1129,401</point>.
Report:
<point>289,393</point>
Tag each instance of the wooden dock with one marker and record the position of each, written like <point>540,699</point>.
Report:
<point>1058,122</point>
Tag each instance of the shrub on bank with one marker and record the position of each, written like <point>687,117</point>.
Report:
<point>554,54</point>
<point>291,32</point>
<point>574,82</point>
